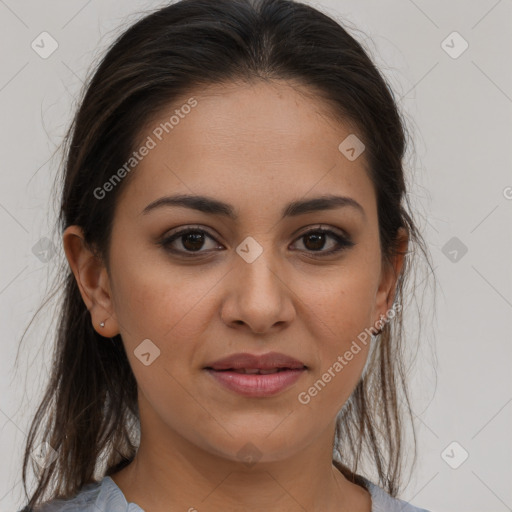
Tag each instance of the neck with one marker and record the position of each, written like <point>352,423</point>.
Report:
<point>179,476</point>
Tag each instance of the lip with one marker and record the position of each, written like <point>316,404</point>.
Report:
<point>267,361</point>
<point>254,384</point>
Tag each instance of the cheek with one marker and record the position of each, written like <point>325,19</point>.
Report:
<point>166,316</point>
<point>329,388</point>
<point>173,309</point>
<point>338,310</point>
<point>342,303</point>
<point>155,301</point>
<point>341,346</point>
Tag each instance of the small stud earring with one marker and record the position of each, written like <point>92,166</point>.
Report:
<point>102,324</point>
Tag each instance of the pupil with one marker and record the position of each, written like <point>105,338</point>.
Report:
<point>195,238</point>
<point>320,240</point>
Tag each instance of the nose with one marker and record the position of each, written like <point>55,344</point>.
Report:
<point>257,296</point>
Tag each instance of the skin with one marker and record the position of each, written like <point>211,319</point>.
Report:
<point>257,147</point>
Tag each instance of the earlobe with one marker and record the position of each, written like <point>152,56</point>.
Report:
<point>92,280</point>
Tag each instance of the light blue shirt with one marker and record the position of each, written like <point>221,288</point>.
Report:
<point>106,496</point>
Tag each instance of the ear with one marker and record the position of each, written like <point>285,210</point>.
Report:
<point>93,281</point>
<point>390,274</point>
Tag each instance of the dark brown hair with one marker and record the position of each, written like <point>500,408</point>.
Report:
<point>89,412</point>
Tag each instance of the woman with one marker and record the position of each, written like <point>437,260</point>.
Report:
<point>233,218</point>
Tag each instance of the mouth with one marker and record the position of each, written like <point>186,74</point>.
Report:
<point>256,375</point>
<point>255,371</point>
<point>256,382</point>
<point>253,363</point>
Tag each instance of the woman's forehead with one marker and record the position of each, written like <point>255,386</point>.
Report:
<point>237,141</point>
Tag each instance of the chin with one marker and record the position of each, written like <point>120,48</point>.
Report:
<point>253,444</point>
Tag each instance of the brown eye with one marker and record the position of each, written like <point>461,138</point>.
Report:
<point>316,239</point>
<point>190,240</point>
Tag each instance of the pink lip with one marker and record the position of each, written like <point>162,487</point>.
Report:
<point>245,360</point>
<point>256,385</point>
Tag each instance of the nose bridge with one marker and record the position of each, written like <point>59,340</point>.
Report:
<point>258,296</point>
<point>256,270</point>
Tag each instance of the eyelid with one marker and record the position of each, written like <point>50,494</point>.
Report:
<point>183,230</point>
<point>321,227</point>
<point>341,236</point>
<point>343,239</point>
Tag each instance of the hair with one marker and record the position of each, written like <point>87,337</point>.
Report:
<point>89,412</point>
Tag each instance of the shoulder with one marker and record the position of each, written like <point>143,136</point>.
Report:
<point>83,501</point>
<point>102,495</point>
<point>383,502</point>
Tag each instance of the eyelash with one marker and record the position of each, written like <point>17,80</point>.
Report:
<point>343,243</point>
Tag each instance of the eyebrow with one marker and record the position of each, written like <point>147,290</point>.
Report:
<point>215,207</point>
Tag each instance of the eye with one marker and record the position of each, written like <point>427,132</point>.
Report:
<point>315,240</point>
<point>191,240</point>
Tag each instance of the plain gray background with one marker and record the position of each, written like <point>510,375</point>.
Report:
<point>459,108</point>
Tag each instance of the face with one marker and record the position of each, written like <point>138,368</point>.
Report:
<point>303,282</point>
